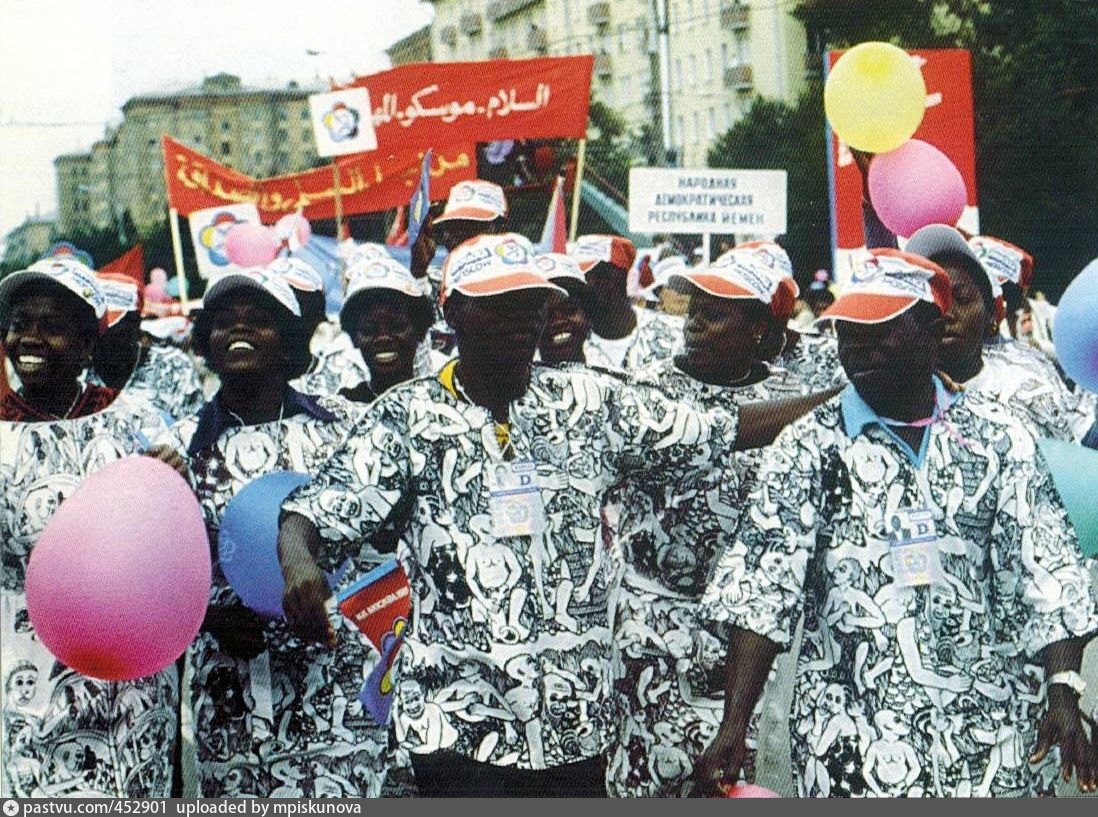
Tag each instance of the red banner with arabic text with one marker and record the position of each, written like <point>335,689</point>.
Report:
<point>433,104</point>
<point>367,182</point>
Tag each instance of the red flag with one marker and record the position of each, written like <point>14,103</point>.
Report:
<point>398,233</point>
<point>131,264</point>
<point>554,235</point>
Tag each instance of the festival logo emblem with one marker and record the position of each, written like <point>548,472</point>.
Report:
<point>341,122</point>
<point>212,237</point>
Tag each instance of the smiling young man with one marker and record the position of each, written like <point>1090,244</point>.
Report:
<point>507,464</point>
<point>939,576</point>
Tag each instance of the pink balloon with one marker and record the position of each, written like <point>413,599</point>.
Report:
<point>155,293</point>
<point>295,225</point>
<point>750,790</point>
<point>251,245</point>
<point>119,579</point>
<point>916,185</point>
<point>157,275</point>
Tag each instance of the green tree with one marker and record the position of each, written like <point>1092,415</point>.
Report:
<point>1035,89</point>
<point>774,135</point>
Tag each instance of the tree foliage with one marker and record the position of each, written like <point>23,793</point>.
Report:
<point>1035,88</point>
<point>774,135</point>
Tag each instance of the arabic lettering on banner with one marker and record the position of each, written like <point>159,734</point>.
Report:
<point>433,104</point>
<point>367,182</point>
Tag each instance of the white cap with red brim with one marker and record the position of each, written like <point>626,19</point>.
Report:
<point>560,269</point>
<point>121,293</point>
<point>256,278</point>
<point>888,284</point>
<point>475,200</point>
<point>297,273</point>
<point>492,265</point>
<point>1003,260</point>
<point>381,273</point>
<point>69,273</point>
<point>590,250</point>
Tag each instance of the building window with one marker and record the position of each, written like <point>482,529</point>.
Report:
<point>697,127</point>
<point>682,131</point>
<point>678,74</point>
<point>724,57</point>
<point>743,51</point>
<point>304,113</point>
<point>708,65</point>
<point>712,124</point>
<point>226,148</point>
<point>693,69</point>
<point>224,127</point>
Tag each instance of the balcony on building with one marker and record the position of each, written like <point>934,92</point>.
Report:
<point>735,16</point>
<point>598,15</point>
<point>502,9</point>
<point>471,24</point>
<point>498,53</point>
<point>739,77</point>
<point>537,41</point>
<point>448,35</point>
<point>604,67</point>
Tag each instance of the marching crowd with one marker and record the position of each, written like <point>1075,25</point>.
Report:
<point>623,526</point>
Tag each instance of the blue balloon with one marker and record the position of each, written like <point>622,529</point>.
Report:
<point>1074,470</point>
<point>1075,330</point>
<point>247,542</point>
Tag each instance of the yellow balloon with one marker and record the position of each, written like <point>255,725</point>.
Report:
<point>875,97</point>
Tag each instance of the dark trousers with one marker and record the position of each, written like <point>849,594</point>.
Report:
<point>447,774</point>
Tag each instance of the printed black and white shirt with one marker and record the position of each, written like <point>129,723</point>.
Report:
<point>909,690</point>
<point>506,660</point>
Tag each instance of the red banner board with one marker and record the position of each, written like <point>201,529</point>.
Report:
<point>947,124</point>
<point>367,182</point>
<point>428,105</point>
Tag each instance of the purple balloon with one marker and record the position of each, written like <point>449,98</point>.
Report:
<point>916,185</point>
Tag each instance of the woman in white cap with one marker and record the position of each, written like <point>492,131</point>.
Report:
<point>568,324</point>
<point>55,432</point>
<point>257,695</point>
<point>387,316</point>
<point>666,680</point>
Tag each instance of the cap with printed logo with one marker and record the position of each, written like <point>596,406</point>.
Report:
<point>256,278</point>
<point>475,200</point>
<point>561,269</point>
<point>1004,261</point>
<point>889,283</point>
<point>940,239</point>
<point>65,272</point>
<point>297,273</point>
<point>661,274</point>
<point>122,295</point>
<point>741,274</point>
<point>592,250</point>
<point>374,276</point>
<point>492,265</point>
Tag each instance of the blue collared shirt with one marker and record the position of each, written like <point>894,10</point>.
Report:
<point>858,414</point>
<point>213,419</point>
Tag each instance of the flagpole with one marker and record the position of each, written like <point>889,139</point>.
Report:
<point>338,201</point>
<point>177,253</point>
<point>576,190</point>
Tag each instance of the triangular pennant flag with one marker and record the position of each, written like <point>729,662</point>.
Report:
<point>554,236</point>
<point>421,200</point>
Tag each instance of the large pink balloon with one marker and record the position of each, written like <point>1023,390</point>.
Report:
<point>750,790</point>
<point>916,185</point>
<point>251,245</point>
<point>295,225</point>
<point>119,579</point>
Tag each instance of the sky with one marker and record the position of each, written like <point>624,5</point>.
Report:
<point>67,66</point>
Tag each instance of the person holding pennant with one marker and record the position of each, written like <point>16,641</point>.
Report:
<point>503,675</point>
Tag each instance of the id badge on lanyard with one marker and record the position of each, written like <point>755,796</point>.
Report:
<point>913,543</point>
<point>514,499</point>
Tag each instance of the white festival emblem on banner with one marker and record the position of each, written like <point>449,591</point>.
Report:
<point>343,122</point>
<point>208,230</point>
